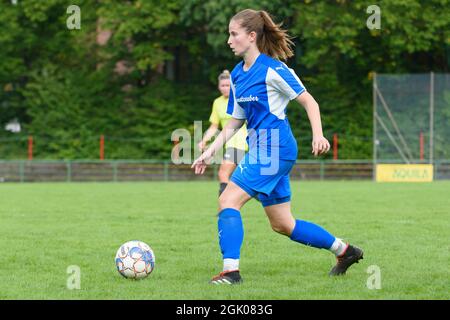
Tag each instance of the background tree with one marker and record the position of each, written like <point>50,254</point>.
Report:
<point>156,69</point>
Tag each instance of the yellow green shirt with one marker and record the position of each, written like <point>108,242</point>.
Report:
<point>220,117</point>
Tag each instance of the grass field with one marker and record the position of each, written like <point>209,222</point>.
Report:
<point>404,229</point>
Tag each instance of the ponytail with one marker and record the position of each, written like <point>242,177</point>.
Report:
<point>274,41</point>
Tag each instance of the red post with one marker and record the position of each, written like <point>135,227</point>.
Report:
<point>421,145</point>
<point>102,147</point>
<point>335,146</point>
<point>30,147</point>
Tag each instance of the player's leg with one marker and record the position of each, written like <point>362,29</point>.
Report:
<point>234,196</point>
<point>278,209</point>
<point>225,171</point>
<point>280,218</point>
<point>311,234</point>
<point>231,232</point>
<point>307,233</point>
<point>246,182</point>
<point>231,158</point>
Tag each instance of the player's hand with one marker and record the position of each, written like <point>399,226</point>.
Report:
<point>201,163</point>
<point>320,145</point>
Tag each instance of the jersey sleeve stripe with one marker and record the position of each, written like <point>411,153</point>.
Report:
<point>234,109</point>
<point>286,81</point>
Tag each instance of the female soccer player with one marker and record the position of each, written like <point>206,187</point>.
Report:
<point>261,87</point>
<point>235,148</point>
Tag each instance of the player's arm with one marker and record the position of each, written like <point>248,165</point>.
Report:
<point>228,131</point>
<point>208,135</point>
<point>319,144</point>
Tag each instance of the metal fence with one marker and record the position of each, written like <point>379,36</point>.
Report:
<point>411,117</point>
<point>141,170</point>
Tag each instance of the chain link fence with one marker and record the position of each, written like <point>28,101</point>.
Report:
<point>411,117</point>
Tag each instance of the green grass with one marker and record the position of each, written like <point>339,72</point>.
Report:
<point>404,229</point>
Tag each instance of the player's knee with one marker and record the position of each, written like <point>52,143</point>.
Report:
<point>226,201</point>
<point>281,228</point>
<point>223,202</point>
<point>223,175</point>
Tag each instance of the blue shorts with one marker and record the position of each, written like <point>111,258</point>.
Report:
<point>269,182</point>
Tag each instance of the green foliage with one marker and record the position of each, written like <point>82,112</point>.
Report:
<point>66,89</point>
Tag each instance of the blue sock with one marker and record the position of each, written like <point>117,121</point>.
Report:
<point>311,234</point>
<point>231,233</point>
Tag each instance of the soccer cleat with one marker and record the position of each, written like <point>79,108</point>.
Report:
<point>351,255</point>
<point>227,277</point>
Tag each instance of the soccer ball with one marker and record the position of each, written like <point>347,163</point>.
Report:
<point>135,260</point>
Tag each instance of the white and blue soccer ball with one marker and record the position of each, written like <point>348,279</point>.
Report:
<point>135,260</point>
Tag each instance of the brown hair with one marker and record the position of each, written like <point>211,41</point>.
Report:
<point>224,75</point>
<point>270,38</point>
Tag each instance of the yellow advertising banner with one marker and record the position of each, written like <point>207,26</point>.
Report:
<point>404,172</point>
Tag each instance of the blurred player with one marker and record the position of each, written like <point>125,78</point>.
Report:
<point>261,87</point>
<point>235,148</point>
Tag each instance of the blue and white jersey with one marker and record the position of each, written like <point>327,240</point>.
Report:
<point>260,95</point>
